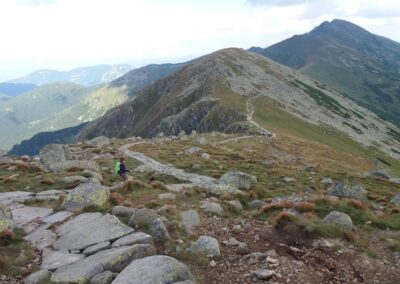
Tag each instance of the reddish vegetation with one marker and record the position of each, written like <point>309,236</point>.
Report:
<point>131,184</point>
<point>116,199</point>
<point>7,235</point>
<point>158,185</point>
<point>47,181</point>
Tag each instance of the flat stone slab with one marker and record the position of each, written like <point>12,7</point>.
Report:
<point>15,196</point>
<point>42,237</point>
<point>58,217</point>
<point>133,239</point>
<point>89,229</point>
<point>23,215</point>
<point>154,269</point>
<point>56,259</point>
<point>96,248</point>
<point>114,260</point>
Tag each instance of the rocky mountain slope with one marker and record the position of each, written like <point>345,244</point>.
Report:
<point>216,92</point>
<point>86,76</point>
<point>362,66</point>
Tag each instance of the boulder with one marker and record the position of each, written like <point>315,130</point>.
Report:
<point>205,245</point>
<point>381,173</point>
<point>56,259</point>
<point>213,208</point>
<point>256,204</point>
<point>264,274</point>
<point>133,239</point>
<point>192,150</point>
<point>39,277</point>
<point>53,155</point>
<point>190,219</point>
<point>396,199</point>
<point>86,194</point>
<point>340,219</point>
<point>348,191</point>
<point>100,141</point>
<point>158,269</point>
<point>89,229</point>
<point>10,197</point>
<point>159,231</point>
<point>72,179</point>
<point>142,217</point>
<point>106,277</point>
<point>220,189</point>
<point>122,210</point>
<point>6,220</point>
<point>114,260</point>
<point>235,204</point>
<point>239,180</point>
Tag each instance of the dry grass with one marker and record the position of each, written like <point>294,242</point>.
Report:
<point>305,206</point>
<point>116,198</point>
<point>6,236</point>
<point>47,181</point>
<point>226,196</point>
<point>357,204</point>
<point>252,194</point>
<point>283,218</point>
<point>132,184</point>
<point>155,184</point>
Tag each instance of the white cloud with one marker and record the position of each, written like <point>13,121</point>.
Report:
<point>64,34</point>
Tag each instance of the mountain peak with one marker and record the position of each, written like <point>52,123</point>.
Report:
<point>338,26</point>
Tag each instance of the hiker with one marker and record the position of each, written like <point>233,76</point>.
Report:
<point>120,169</point>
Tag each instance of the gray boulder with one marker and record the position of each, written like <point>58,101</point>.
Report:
<point>39,277</point>
<point>326,181</point>
<point>92,174</point>
<point>123,210</point>
<point>205,245</point>
<point>158,269</point>
<point>86,194</point>
<point>381,173</point>
<point>6,220</point>
<point>97,247</point>
<point>239,180</point>
<point>53,155</point>
<point>56,259</point>
<point>192,150</point>
<point>100,141</point>
<point>106,277</point>
<point>114,260</point>
<point>72,179</point>
<point>142,217</point>
<point>348,191</point>
<point>133,239</point>
<point>213,208</point>
<point>89,229</point>
<point>190,219</point>
<point>7,198</point>
<point>396,199</point>
<point>235,204</point>
<point>159,231</point>
<point>340,219</point>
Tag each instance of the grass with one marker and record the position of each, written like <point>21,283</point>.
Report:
<point>16,254</point>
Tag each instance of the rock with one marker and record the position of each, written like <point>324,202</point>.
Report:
<point>179,188</point>
<point>213,208</point>
<point>23,215</point>
<point>106,277</point>
<point>396,199</point>
<point>220,189</point>
<point>239,180</point>
<point>192,150</point>
<point>6,221</point>
<point>122,210</point>
<point>167,196</point>
<point>201,140</point>
<point>381,173</point>
<point>326,181</point>
<point>58,217</point>
<point>8,198</point>
<point>42,237</point>
<point>205,245</point>
<point>87,194</point>
<point>256,204</point>
<point>114,260</point>
<point>100,141</point>
<point>56,259</point>
<point>53,155</point>
<point>196,167</point>
<point>181,133</point>
<point>92,174</point>
<point>39,277</point>
<point>133,239</point>
<point>5,160</point>
<point>142,217</point>
<point>190,219</point>
<point>72,179</point>
<point>89,229</point>
<point>49,195</point>
<point>97,247</point>
<point>242,248</point>
<point>288,179</point>
<point>159,231</point>
<point>264,274</point>
<point>158,269</point>
<point>347,191</point>
<point>145,169</point>
<point>342,220</point>
<point>205,156</point>
<point>235,204</point>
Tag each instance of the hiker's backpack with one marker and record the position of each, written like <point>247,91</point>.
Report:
<point>117,167</point>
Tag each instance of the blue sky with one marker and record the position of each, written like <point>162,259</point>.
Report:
<point>63,34</point>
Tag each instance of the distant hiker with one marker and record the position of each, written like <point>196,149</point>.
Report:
<point>120,169</point>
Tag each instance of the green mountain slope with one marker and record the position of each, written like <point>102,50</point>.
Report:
<point>362,66</point>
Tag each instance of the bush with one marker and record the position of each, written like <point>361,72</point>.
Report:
<point>132,184</point>
<point>116,199</point>
<point>155,184</point>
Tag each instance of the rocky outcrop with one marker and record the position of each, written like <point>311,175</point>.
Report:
<point>206,246</point>
<point>239,180</point>
<point>348,191</point>
<point>52,156</point>
<point>91,193</point>
<point>342,220</point>
<point>154,269</point>
<point>6,221</point>
<point>99,141</point>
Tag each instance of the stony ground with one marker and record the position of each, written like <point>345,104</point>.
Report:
<point>79,214</point>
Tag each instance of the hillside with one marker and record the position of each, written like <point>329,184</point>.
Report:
<point>12,89</point>
<point>360,65</point>
<point>86,76</point>
<point>217,92</point>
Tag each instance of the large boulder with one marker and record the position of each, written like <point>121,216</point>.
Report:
<point>340,219</point>
<point>159,231</point>
<point>142,217</point>
<point>212,208</point>
<point>87,194</point>
<point>158,269</point>
<point>348,191</point>
<point>6,220</point>
<point>39,277</point>
<point>205,245</point>
<point>239,180</point>
<point>100,141</point>
<point>190,219</point>
<point>53,155</point>
<point>89,229</point>
<point>114,260</point>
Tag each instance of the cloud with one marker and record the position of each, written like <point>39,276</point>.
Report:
<point>277,2</point>
<point>36,2</point>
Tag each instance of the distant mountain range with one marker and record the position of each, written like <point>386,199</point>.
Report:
<point>362,66</point>
<point>86,76</point>
<point>13,89</point>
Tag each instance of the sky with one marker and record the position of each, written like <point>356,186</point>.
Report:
<point>64,34</point>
